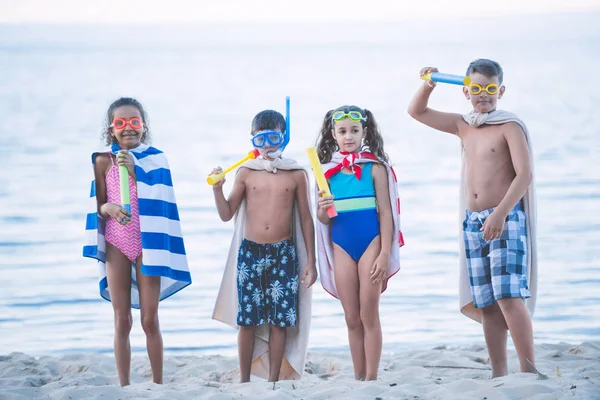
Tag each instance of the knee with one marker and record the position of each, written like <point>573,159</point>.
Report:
<point>123,323</point>
<point>510,305</point>
<point>369,318</point>
<point>150,324</point>
<point>277,330</point>
<point>493,316</point>
<point>490,311</point>
<point>247,330</point>
<point>353,320</point>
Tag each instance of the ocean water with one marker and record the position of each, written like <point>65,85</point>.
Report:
<point>201,86</point>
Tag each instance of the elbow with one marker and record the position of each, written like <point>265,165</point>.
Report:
<point>309,224</point>
<point>225,217</point>
<point>100,206</point>
<point>526,176</point>
<point>414,112</point>
<point>323,219</point>
<point>308,219</point>
<point>386,216</point>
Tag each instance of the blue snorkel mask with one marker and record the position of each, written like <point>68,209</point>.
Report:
<point>286,135</point>
<point>267,138</point>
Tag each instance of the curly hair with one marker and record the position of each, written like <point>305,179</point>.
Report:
<point>327,145</point>
<point>124,101</point>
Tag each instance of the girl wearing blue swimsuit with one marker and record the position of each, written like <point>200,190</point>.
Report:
<point>362,232</point>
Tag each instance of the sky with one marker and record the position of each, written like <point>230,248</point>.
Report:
<point>189,11</point>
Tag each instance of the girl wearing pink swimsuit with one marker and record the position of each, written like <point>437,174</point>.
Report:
<point>126,130</point>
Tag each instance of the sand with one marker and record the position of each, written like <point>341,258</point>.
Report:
<point>567,372</point>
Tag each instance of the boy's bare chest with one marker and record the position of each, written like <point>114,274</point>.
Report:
<point>267,185</point>
<point>485,144</point>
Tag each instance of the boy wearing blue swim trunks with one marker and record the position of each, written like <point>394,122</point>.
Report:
<point>272,263</point>
<point>498,275</point>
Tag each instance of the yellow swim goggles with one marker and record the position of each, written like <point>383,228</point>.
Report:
<point>476,88</point>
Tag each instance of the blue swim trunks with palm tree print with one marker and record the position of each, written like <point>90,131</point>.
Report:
<point>267,283</point>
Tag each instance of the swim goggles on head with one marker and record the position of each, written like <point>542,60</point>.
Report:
<point>353,115</point>
<point>272,138</point>
<point>491,89</point>
<point>121,123</point>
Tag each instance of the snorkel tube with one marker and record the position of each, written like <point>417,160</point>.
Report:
<point>286,135</point>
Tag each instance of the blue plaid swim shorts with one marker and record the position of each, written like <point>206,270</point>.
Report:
<point>497,268</point>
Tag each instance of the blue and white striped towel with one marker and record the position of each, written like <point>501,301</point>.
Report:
<point>163,251</point>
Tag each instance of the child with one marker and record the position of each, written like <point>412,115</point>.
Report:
<point>141,253</point>
<point>498,259</point>
<point>274,235</point>
<point>359,248</point>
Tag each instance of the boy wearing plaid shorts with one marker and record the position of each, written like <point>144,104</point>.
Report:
<point>499,217</point>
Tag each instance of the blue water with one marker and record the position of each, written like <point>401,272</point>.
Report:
<point>202,86</point>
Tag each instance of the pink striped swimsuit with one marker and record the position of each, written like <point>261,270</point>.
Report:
<point>128,237</point>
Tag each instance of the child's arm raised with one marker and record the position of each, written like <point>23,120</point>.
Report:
<point>228,207</point>
<point>307,226</point>
<point>446,122</point>
<point>386,222</point>
<point>519,154</point>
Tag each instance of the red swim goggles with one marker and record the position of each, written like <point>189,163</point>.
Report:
<point>121,123</point>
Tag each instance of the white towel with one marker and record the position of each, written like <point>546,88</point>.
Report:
<point>226,305</point>
<point>498,117</point>
<point>163,250</point>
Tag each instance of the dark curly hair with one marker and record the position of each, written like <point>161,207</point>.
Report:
<point>124,101</point>
<point>326,144</point>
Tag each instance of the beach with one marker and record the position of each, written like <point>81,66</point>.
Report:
<point>201,85</point>
<point>566,372</point>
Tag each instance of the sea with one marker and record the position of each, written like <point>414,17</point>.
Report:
<point>201,86</point>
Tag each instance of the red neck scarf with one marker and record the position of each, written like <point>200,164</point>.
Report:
<point>350,163</point>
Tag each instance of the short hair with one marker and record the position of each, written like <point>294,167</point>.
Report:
<point>486,67</point>
<point>268,120</point>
